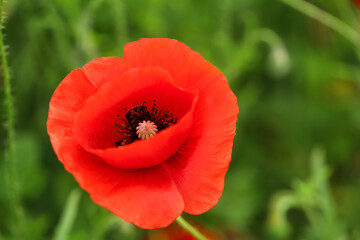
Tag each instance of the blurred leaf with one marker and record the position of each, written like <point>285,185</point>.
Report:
<point>28,165</point>
<point>313,197</point>
<point>278,225</point>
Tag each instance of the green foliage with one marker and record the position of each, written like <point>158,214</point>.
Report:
<point>314,199</point>
<point>297,83</point>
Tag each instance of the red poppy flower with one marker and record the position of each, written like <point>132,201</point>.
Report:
<point>148,135</point>
<point>357,2</point>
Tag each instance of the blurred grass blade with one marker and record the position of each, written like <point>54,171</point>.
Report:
<point>68,216</point>
<point>326,19</point>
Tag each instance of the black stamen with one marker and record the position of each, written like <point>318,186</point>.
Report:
<point>135,115</point>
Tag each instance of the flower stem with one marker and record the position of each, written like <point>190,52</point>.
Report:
<point>326,19</point>
<point>193,231</point>
<point>14,199</point>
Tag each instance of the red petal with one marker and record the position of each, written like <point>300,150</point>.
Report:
<point>76,88</point>
<point>105,69</point>
<point>67,99</point>
<point>147,197</point>
<point>187,67</point>
<point>200,165</point>
<point>95,123</point>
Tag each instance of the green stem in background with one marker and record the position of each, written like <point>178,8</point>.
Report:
<point>193,231</point>
<point>68,216</point>
<point>327,19</point>
<point>14,198</point>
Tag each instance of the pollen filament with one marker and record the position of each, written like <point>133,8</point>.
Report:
<point>146,129</point>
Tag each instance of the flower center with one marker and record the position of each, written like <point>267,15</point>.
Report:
<point>146,129</point>
<point>141,123</point>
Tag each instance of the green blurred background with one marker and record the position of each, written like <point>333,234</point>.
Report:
<point>295,170</point>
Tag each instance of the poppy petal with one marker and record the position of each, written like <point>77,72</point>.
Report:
<point>147,197</point>
<point>200,164</point>
<point>95,124</point>
<point>77,87</point>
<point>105,69</point>
<point>67,99</point>
<point>187,67</point>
